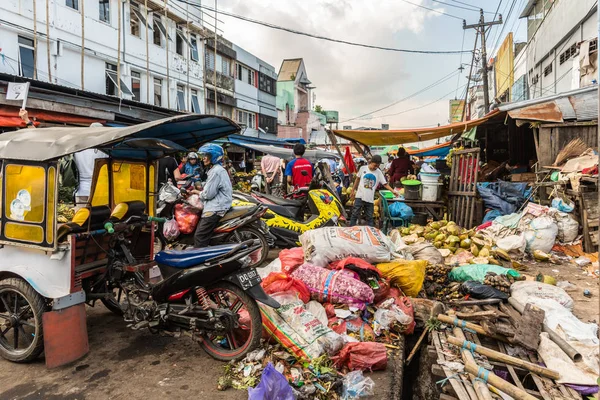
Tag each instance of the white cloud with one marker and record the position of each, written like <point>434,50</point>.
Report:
<point>349,79</point>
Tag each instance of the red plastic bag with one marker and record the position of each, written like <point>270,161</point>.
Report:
<point>291,259</point>
<point>186,218</point>
<point>383,291</point>
<point>405,305</point>
<point>362,356</point>
<point>329,310</point>
<point>358,262</point>
<point>337,325</point>
<point>277,282</point>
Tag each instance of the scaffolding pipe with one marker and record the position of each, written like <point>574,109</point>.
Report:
<point>82,45</point>
<point>167,52</point>
<point>119,51</point>
<point>147,56</point>
<point>35,41</point>
<point>48,40</point>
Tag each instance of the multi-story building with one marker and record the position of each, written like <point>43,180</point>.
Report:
<point>255,90</point>
<point>120,48</point>
<point>219,66</point>
<point>561,53</point>
<point>294,107</point>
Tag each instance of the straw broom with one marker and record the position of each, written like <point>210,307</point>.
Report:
<point>573,149</point>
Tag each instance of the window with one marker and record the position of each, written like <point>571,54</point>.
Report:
<point>157,92</point>
<point>223,64</point>
<point>136,19</point>
<point>594,45</point>
<point>568,53</point>
<point>226,66</point>
<point>548,69</point>
<point>194,48</point>
<point>74,4</point>
<point>179,42</point>
<point>209,60</point>
<point>246,118</point>
<point>112,88</point>
<point>159,31</point>
<point>269,124</point>
<point>266,84</point>
<point>195,103</point>
<point>535,79</point>
<point>245,74</point>
<point>26,57</point>
<point>104,6</point>
<point>136,85</point>
<point>180,98</point>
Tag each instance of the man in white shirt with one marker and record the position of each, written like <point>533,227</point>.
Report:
<point>369,177</point>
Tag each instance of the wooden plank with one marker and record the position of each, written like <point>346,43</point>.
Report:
<point>455,383</point>
<point>511,369</point>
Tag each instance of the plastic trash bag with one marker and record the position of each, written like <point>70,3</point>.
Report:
<point>512,242</point>
<point>171,229</point>
<point>477,272</point>
<point>562,206</point>
<point>526,291</point>
<point>279,282</point>
<point>407,275</point>
<point>187,218</point>
<point>362,356</point>
<point>195,202</point>
<point>568,227</point>
<point>356,385</point>
<point>478,290</point>
<point>541,234</point>
<point>317,309</point>
<point>426,251</point>
<point>400,209</point>
<point>403,304</point>
<point>273,386</point>
<point>325,245</point>
<point>386,318</point>
<point>291,259</point>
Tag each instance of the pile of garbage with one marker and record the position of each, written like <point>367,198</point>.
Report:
<point>343,309</point>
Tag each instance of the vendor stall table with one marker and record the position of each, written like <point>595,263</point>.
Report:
<point>435,208</point>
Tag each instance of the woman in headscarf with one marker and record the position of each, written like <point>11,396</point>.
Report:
<point>401,166</point>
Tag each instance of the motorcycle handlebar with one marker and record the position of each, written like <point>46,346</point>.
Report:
<point>110,227</point>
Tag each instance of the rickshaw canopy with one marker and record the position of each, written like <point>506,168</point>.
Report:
<point>183,131</point>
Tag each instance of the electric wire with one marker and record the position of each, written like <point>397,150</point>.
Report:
<point>474,8</point>
<point>296,32</point>
<point>432,9</point>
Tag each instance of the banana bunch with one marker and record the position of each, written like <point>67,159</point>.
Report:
<point>65,213</point>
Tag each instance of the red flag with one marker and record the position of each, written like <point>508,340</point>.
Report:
<point>349,161</point>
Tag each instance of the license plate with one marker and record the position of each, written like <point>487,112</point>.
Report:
<point>248,279</point>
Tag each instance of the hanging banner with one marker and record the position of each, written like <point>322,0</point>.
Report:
<point>456,110</point>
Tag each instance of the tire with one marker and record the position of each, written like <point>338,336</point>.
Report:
<point>247,233</point>
<point>18,291</point>
<point>255,319</point>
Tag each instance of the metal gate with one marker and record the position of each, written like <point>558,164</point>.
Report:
<point>462,191</point>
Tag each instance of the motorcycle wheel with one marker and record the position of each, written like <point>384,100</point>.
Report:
<point>247,233</point>
<point>236,344</point>
<point>119,304</point>
<point>21,330</point>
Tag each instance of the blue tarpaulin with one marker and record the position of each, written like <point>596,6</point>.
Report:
<point>438,151</point>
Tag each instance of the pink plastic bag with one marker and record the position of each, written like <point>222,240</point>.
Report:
<point>334,286</point>
<point>171,229</point>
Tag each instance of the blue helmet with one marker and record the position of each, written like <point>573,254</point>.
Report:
<point>213,152</point>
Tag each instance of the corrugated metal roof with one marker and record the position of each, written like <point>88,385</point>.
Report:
<point>289,68</point>
<point>579,104</point>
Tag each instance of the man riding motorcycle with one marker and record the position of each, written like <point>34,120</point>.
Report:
<point>192,169</point>
<point>216,194</point>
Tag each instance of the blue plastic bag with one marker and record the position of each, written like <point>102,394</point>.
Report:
<point>272,386</point>
<point>399,209</point>
<point>560,205</point>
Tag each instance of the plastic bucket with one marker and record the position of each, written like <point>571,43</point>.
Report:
<point>412,192</point>
<point>431,191</point>
<point>419,219</point>
<point>429,177</point>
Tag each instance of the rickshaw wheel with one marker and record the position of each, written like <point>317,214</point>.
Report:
<point>21,332</point>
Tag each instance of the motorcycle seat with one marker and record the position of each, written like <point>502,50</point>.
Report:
<point>237,211</point>
<point>192,257</point>
<point>282,202</point>
<point>288,212</point>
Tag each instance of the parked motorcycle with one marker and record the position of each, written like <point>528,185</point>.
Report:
<point>240,223</point>
<point>208,294</point>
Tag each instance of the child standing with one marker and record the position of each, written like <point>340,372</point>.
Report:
<point>368,179</point>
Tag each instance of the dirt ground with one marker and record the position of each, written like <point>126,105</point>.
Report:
<point>127,364</point>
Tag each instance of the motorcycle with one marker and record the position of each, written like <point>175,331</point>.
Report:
<point>240,223</point>
<point>286,217</point>
<point>209,294</point>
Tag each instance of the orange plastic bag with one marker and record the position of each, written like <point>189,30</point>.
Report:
<point>362,356</point>
<point>277,282</point>
<point>186,218</point>
<point>291,259</point>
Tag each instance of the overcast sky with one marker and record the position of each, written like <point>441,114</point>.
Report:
<point>355,80</point>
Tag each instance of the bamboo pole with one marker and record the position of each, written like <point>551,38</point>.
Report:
<point>82,45</point>
<point>483,393</point>
<point>35,41</point>
<point>417,345</point>
<point>496,355</point>
<point>48,40</point>
<point>215,68</point>
<point>167,52</point>
<point>119,50</point>
<point>566,347</point>
<point>494,380</point>
<point>464,324</point>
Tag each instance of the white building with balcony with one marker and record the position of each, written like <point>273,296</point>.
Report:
<point>119,48</point>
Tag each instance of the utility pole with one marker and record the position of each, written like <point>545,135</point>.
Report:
<point>480,28</point>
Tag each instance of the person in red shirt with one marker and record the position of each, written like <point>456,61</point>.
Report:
<point>401,166</point>
<point>299,171</point>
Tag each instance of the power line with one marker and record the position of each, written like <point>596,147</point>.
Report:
<point>441,80</point>
<point>474,8</point>
<point>499,36</point>
<point>281,28</point>
<point>431,9</point>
